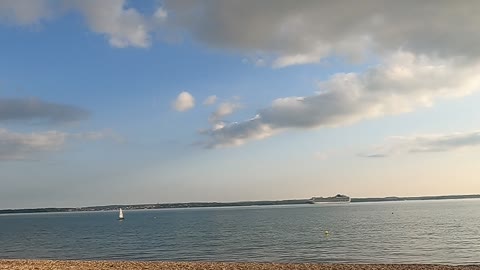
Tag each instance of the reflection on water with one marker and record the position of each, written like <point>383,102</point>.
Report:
<point>392,232</point>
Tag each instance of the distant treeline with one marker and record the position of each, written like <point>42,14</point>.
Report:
<point>224,204</point>
<point>35,210</point>
<point>155,206</point>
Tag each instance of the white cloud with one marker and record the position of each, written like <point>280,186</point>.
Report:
<point>425,143</point>
<point>402,83</point>
<point>184,102</point>
<point>210,100</point>
<point>237,133</point>
<point>123,26</point>
<point>300,58</point>
<point>224,109</point>
<point>299,32</point>
<point>27,146</point>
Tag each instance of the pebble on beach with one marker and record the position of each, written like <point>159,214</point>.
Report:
<point>136,265</point>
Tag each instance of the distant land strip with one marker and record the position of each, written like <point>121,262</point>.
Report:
<point>225,204</point>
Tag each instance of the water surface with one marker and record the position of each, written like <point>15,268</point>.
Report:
<point>445,232</point>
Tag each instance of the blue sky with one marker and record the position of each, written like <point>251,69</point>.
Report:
<point>369,103</point>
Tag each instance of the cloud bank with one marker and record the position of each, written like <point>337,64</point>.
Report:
<point>425,143</point>
<point>28,146</point>
<point>35,110</point>
<point>24,12</point>
<point>299,32</point>
<point>402,83</point>
<point>184,102</point>
<point>281,32</point>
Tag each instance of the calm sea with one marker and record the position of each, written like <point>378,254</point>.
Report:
<point>444,232</point>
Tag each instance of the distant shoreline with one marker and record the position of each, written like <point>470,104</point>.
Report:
<point>225,204</point>
<point>137,265</point>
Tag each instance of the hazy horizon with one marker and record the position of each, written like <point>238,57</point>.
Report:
<point>123,102</point>
<point>225,201</point>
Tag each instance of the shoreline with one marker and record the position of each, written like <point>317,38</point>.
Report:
<point>199,205</point>
<point>17,264</point>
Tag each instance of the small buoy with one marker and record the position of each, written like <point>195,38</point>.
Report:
<point>326,232</point>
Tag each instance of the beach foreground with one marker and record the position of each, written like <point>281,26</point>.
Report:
<point>134,265</point>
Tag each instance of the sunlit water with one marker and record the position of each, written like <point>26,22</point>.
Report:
<point>445,232</point>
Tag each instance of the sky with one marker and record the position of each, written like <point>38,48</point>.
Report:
<point>116,102</point>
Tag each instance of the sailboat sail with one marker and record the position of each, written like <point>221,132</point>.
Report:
<point>120,214</point>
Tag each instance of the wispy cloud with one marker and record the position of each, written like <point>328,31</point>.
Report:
<point>18,146</point>
<point>425,143</point>
<point>224,109</point>
<point>106,134</point>
<point>402,83</point>
<point>28,146</point>
<point>210,100</point>
<point>35,110</point>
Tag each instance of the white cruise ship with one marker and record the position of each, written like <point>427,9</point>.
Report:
<point>339,198</point>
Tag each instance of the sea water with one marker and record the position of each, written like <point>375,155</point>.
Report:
<point>443,232</point>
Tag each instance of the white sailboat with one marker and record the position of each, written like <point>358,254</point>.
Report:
<point>120,215</point>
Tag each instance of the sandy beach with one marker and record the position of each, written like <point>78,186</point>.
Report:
<point>134,265</point>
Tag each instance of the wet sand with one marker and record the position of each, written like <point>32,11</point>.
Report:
<point>134,265</point>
